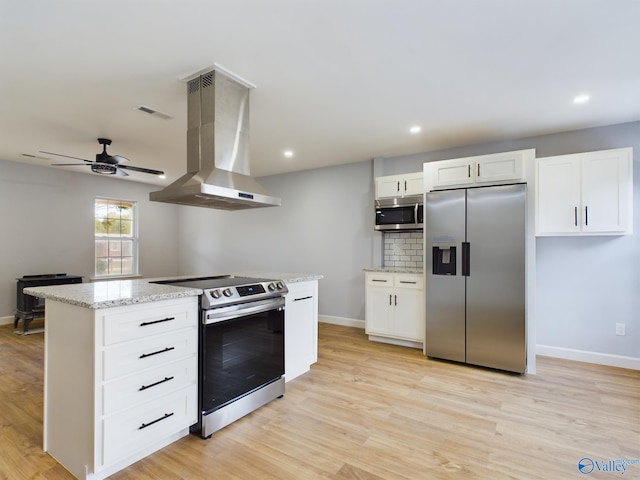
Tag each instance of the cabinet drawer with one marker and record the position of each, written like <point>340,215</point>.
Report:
<point>142,426</point>
<point>131,357</point>
<point>148,385</point>
<point>129,325</point>
<point>415,282</point>
<point>379,279</point>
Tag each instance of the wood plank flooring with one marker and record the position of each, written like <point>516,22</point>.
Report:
<point>370,411</point>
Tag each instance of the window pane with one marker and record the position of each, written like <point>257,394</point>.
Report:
<point>102,266</point>
<point>101,248</point>
<point>126,248</point>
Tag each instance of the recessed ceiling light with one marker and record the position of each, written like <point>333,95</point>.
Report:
<point>415,129</point>
<point>288,153</point>
<point>581,99</point>
<point>163,176</point>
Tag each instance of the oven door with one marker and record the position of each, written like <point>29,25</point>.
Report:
<point>242,349</point>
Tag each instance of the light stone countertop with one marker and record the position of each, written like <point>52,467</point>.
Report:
<point>115,293</point>
<point>419,271</point>
<point>286,277</point>
<point>111,293</point>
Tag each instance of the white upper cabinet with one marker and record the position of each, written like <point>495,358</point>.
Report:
<point>585,194</point>
<point>398,186</point>
<point>494,169</point>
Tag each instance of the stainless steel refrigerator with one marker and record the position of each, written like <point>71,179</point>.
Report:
<point>475,276</point>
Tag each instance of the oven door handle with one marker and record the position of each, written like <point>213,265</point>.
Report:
<point>238,311</point>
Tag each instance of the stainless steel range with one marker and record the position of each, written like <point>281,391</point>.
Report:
<point>241,347</point>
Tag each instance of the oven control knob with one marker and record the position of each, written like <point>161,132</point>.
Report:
<point>227,292</point>
<point>215,293</point>
<point>272,287</point>
<point>280,285</point>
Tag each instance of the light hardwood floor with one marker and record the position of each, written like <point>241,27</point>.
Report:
<point>371,411</point>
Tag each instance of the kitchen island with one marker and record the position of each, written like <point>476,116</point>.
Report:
<point>120,372</point>
<point>121,365</point>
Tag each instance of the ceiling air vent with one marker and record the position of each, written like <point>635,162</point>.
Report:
<point>153,112</point>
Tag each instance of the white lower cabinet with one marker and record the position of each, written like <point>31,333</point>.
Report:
<point>395,307</point>
<point>301,328</point>
<point>120,383</point>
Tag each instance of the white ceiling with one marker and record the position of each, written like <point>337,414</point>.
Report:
<point>338,81</point>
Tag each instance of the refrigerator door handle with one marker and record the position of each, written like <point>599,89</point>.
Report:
<point>466,258</point>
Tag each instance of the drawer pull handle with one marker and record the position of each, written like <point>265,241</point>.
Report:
<point>145,425</point>
<point>302,298</point>
<point>144,324</point>
<point>376,280</point>
<point>168,349</point>
<point>144,387</point>
<point>404,281</point>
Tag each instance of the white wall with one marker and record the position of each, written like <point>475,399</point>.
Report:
<point>324,226</point>
<point>47,225</point>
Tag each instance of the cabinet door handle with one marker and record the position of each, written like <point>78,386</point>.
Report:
<point>168,319</point>
<point>302,298</point>
<point>405,185</point>
<point>168,349</point>
<point>398,187</point>
<point>575,216</point>
<point>404,281</point>
<point>478,169</point>
<point>378,280</point>
<point>164,417</point>
<point>144,387</point>
<point>390,299</point>
<point>396,299</point>
<point>469,171</point>
<point>586,215</point>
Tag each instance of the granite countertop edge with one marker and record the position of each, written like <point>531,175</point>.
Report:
<point>117,293</point>
<point>285,277</point>
<point>108,294</point>
<point>419,271</point>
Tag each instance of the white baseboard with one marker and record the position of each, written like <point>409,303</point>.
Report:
<point>6,320</point>
<point>347,322</point>
<point>589,357</point>
<point>395,341</point>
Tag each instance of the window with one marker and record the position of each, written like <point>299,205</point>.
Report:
<point>115,237</point>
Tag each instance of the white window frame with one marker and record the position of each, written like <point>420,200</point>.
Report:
<point>101,237</point>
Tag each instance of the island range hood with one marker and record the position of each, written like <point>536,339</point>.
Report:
<point>217,148</point>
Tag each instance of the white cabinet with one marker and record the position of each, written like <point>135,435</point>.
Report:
<point>120,383</point>
<point>585,194</point>
<point>395,306</point>
<point>301,328</point>
<point>398,186</point>
<point>494,169</point>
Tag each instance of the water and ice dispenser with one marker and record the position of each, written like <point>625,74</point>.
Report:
<point>444,259</point>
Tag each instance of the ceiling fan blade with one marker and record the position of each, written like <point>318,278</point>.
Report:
<point>69,164</point>
<point>120,173</point>
<point>143,170</point>
<point>66,156</point>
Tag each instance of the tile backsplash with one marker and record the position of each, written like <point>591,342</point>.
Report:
<point>403,249</point>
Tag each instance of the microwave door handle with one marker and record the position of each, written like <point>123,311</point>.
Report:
<point>415,214</point>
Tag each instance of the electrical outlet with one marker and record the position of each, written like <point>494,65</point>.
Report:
<point>620,329</point>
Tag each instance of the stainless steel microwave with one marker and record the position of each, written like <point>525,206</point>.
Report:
<point>399,214</point>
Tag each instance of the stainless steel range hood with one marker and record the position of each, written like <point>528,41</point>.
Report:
<point>217,148</point>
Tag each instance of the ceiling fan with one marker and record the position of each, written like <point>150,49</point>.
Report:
<point>106,164</point>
